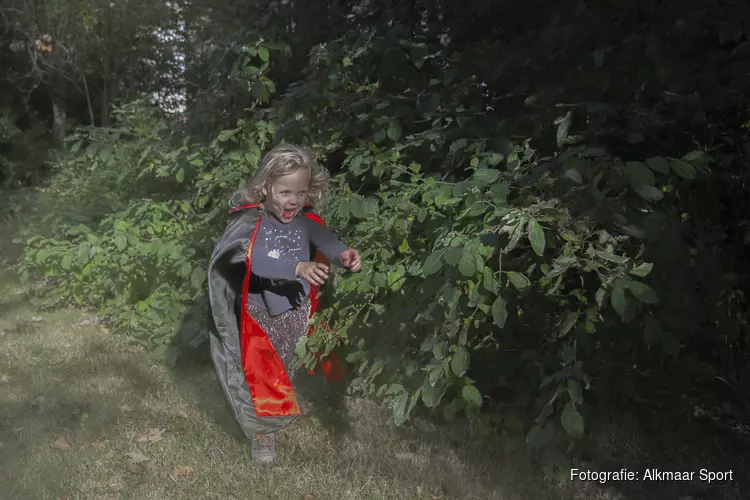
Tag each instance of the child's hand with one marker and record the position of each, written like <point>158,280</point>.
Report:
<point>314,272</point>
<point>351,259</point>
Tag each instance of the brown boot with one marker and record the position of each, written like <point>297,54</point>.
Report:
<point>264,448</point>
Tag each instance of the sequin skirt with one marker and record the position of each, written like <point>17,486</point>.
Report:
<point>284,330</point>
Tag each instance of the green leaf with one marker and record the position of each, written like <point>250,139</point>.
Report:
<point>418,53</point>
<point>379,279</point>
<point>619,301</point>
<point>346,61</point>
<point>400,414</point>
<point>83,254</point>
<point>458,144</point>
<point>486,176</point>
<point>649,193</point>
<point>536,237</point>
<point>394,130</point>
<point>146,151</point>
<point>601,294</point>
<point>489,281</point>
<point>642,270</point>
<point>471,395</point>
<point>574,175</point>
<point>618,259</point>
<point>431,394</point>
<point>439,350</point>
<point>263,54</point>
<point>370,207</point>
<point>572,422</point>
<point>396,275</point>
<point>499,312</point>
<point>92,149</point>
<point>434,262</point>
<point>105,153</point>
<point>640,174</point>
<point>225,135</point>
<point>357,207</point>
<point>404,247</point>
<point>180,175</point>
<point>575,391</point>
<point>494,159</point>
<point>67,261</point>
<point>683,169</point>
<point>460,361</point>
<point>518,280</point>
<point>198,277</point>
<point>593,152</point>
<point>640,291</point>
<point>121,242</point>
<point>696,158</point>
<point>658,164</point>
<point>185,269</point>
<point>574,166</point>
<point>453,255</point>
<point>467,266</point>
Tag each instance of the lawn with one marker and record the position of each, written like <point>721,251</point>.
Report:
<point>86,414</point>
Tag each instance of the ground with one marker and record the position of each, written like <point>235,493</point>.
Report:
<point>86,414</point>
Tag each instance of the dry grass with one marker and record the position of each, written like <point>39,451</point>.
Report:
<point>102,395</point>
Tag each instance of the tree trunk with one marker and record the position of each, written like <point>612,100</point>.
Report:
<point>58,97</point>
<point>105,102</point>
<point>59,121</point>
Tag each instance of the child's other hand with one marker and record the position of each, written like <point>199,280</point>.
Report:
<point>351,259</point>
<point>314,272</point>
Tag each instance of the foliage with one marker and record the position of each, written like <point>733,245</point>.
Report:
<point>541,213</point>
<point>139,247</point>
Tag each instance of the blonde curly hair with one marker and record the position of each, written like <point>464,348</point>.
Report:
<point>282,160</point>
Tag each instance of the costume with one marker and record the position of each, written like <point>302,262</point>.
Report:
<point>256,381</point>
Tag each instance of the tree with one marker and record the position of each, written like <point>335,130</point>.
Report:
<point>94,49</point>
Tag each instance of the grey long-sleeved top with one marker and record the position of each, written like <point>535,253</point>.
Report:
<point>277,250</point>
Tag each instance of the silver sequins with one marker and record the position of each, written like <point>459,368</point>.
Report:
<point>284,330</point>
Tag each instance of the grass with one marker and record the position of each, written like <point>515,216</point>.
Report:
<point>127,427</point>
<point>62,378</point>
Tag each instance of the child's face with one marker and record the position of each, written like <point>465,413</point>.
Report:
<point>288,195</point>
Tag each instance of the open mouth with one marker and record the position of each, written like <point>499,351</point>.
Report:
<point>288,214</point>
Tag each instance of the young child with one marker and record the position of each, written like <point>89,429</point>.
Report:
<point>264,277</point>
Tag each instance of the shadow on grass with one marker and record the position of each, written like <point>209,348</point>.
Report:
<point>671,443</point>
<point>9,303</point>
<point>327,407</point>
<point>45,396</point>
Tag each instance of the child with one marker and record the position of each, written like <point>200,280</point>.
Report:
<point>264,276</point>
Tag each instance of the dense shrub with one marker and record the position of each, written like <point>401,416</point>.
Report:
<point>531,241</point>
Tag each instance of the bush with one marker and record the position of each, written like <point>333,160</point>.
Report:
<point>138,210</point>
<point>517,280</point>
